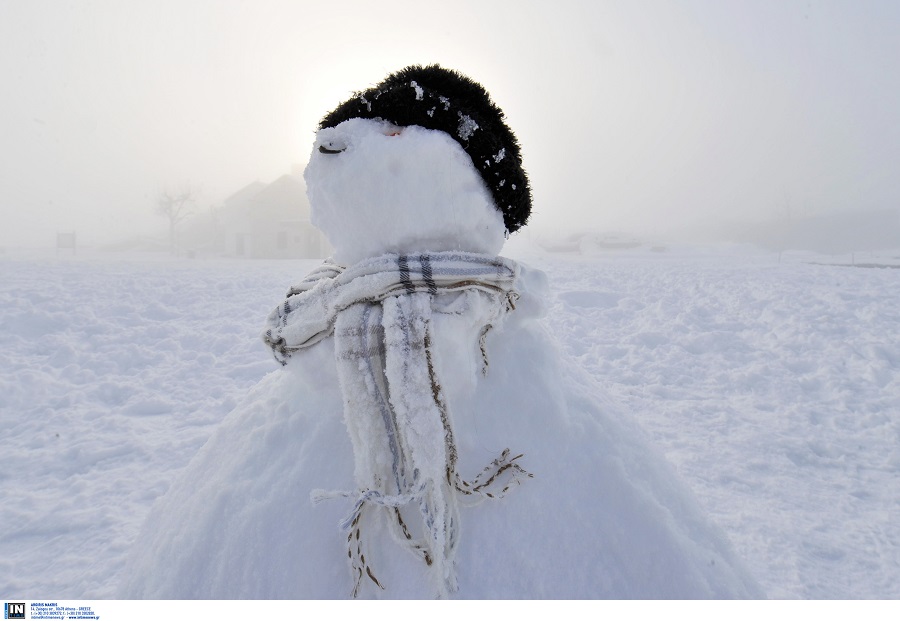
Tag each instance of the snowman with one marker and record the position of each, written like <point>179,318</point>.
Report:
<point>423,436</point>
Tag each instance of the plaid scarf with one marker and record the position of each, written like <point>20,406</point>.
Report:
<point>380,312</point>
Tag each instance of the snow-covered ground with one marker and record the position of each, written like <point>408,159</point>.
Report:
<point>771,383</point>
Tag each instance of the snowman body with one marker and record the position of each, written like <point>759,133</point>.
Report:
<point>602,517</point>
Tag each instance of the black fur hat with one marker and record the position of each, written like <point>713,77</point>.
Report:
<point>442,99</point>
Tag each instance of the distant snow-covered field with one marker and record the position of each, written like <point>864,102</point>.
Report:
<point>772,384</point>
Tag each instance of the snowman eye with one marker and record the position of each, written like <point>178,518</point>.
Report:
<point>332,143</point>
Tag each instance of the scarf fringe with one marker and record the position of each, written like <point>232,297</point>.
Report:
<point>478,488</point>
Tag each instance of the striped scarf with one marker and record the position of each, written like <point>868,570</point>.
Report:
<point>380,312</point>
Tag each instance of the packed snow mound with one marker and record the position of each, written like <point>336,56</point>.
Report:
<point>376,188</point>
<point>603,517</point>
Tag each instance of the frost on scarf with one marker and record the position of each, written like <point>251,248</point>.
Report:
<point>380,312</point>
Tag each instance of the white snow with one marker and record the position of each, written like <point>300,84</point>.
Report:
<point>230,526</point>
<point>235,524</point>
<point>420,92</point>
<point>772,386</point>
<point>467,126</point>
<point>361,197</point>
<point>666,402</point>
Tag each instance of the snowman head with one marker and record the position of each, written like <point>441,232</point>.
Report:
<point>421,162</point>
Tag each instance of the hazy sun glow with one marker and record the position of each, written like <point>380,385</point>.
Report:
<point>652,117</point>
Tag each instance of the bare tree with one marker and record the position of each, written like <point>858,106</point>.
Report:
<point>176,206</point>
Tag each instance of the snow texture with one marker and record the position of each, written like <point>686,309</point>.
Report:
<point>771,384</point>
<point>769,391</point>
<point>398,190</point>
<point>467,126</point>
<point>420,93</point>
<point>603,517</point>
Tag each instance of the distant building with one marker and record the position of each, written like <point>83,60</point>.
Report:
<point>262,221</point>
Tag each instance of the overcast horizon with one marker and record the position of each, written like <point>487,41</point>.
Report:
<point>652,117</point>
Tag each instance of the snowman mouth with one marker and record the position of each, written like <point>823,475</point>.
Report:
<point>329,151</point>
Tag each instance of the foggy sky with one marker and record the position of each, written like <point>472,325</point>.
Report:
<point>651,117</point>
